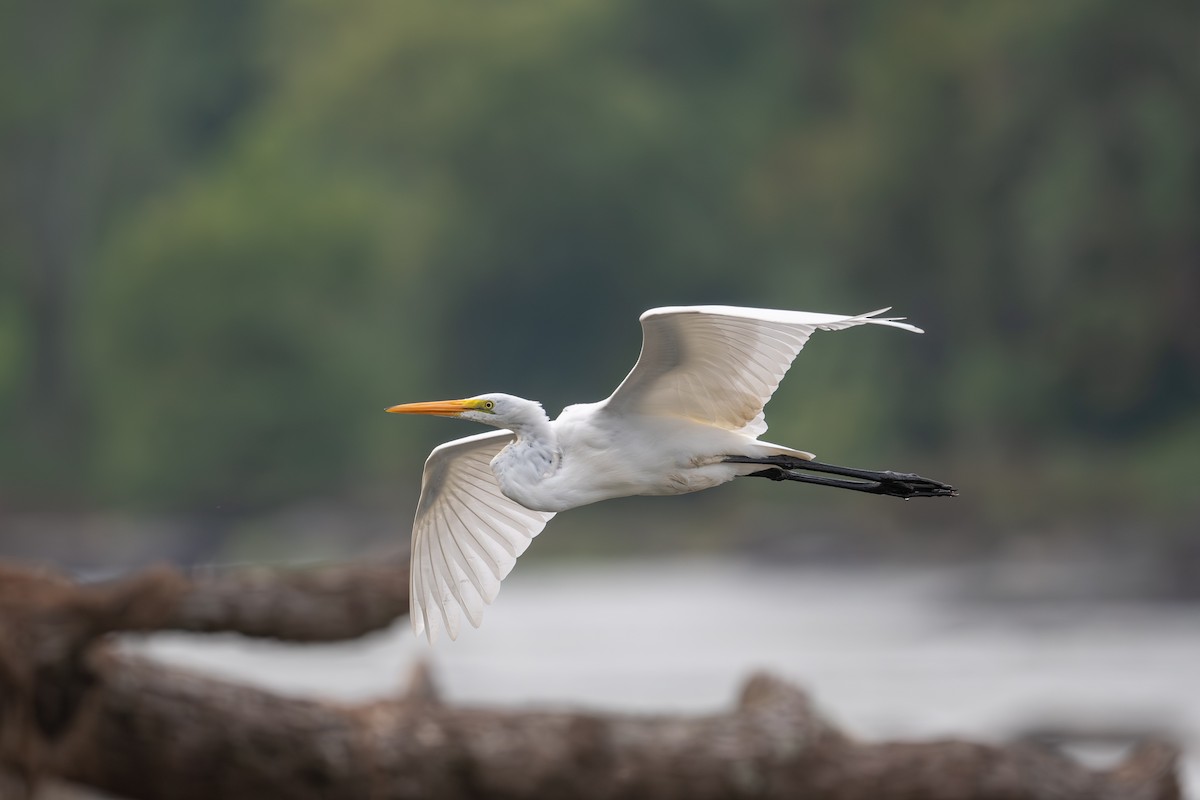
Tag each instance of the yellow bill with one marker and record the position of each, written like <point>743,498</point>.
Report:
<point>438,408</point>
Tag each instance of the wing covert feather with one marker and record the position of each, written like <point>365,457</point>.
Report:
<point>466,536</point>
<point>721,364</point>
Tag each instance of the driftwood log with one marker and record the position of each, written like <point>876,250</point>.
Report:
<point>75,708</point>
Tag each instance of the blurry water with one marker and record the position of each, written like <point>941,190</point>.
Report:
<point>886,652</point>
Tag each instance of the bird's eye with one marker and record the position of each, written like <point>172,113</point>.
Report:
<point>488,405</point>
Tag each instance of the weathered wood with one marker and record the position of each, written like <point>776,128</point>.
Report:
<point>303,605</point>
<point>73,707</point>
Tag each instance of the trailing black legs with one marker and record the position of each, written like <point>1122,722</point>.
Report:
<point>895,484</point>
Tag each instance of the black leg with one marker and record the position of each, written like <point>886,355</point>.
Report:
<point>894,484</point>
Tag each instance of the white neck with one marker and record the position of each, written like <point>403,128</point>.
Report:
<point>530,423</point>
<point>532,458</point>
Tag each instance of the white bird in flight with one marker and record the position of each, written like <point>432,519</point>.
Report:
<point>687,417</point>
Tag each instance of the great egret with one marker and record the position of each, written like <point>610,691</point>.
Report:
<point>686,418</point>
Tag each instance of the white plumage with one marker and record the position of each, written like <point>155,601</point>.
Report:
<point>694,399</point>
<point>467,535</point>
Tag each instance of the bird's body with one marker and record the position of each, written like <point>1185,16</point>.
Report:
<point>687,418</point>
<point>587,455</point>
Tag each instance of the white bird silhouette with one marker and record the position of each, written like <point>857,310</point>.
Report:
<point>686,418</point>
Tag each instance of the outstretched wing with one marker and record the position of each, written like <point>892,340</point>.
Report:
<point>721,364</point>
<point>466,536</point>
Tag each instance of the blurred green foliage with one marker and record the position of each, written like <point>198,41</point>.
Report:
<point>234,231</point>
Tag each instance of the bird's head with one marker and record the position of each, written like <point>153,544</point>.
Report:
<point>496,409</point>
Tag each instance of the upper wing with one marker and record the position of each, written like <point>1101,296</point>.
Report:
<point>466,536</point>
<point>721,364</point>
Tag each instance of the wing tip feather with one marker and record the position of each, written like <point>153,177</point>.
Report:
<point>892,322</point>
<point>780,315</point>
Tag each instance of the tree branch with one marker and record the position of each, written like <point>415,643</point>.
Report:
<point>73,707</point>
<point>304,605</point>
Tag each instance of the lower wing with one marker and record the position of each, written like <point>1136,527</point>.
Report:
<point>466,536</point>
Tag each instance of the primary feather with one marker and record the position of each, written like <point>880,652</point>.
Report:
<point>467,534</point>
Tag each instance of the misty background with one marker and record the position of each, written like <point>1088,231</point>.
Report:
<point>232,233</point>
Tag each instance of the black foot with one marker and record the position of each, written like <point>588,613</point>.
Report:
<point>893,484</point>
